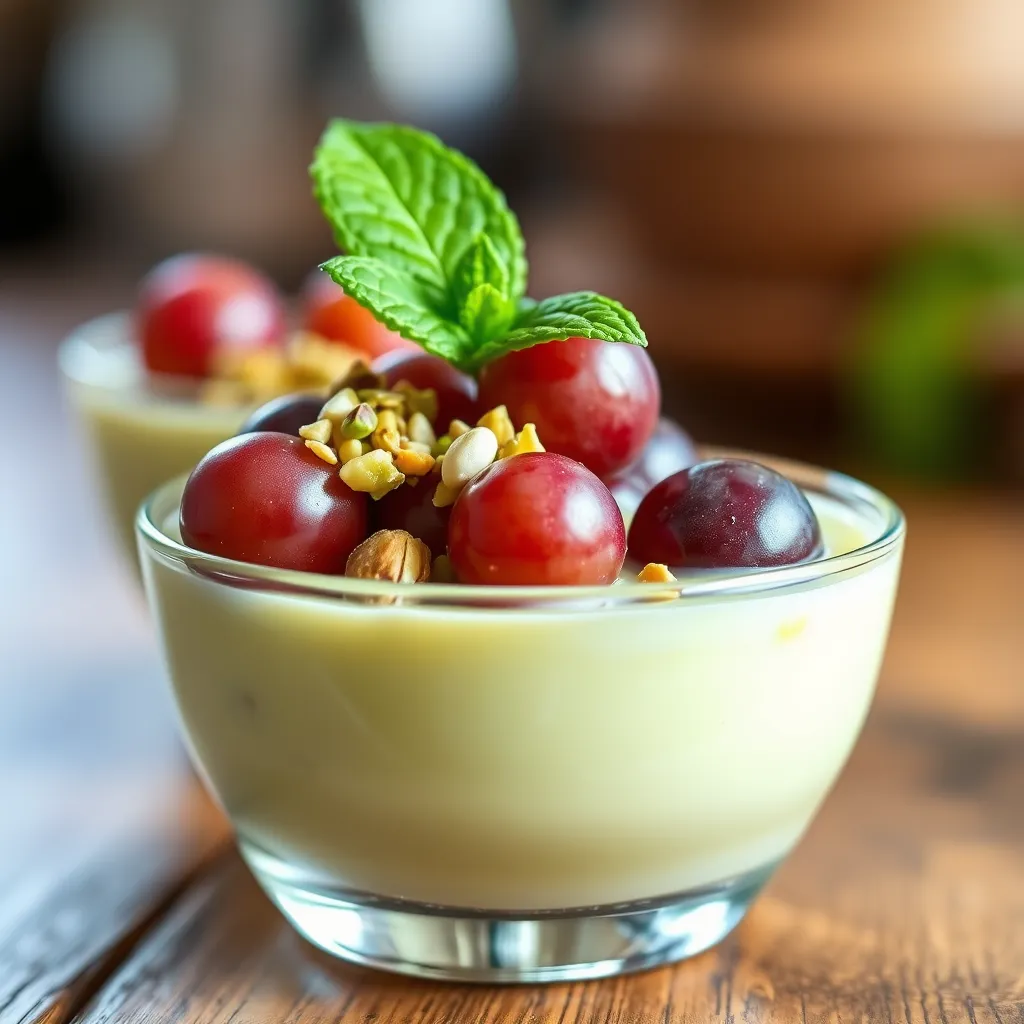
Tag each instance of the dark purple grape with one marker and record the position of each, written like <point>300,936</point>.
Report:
<point>723,514</point>
<point>669,450</point>
<point>284,415</point>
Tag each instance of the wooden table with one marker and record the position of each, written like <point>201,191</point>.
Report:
<point>121,898</point>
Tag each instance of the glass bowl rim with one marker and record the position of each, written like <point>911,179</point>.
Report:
<point>115,326</point>
<point>689,585</point>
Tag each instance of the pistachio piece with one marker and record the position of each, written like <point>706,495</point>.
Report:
<point>498,421</point>
<point>319,431</point>
<point>414,463</point>
<point>420,430</point>
<point>373,473</point>
<point>386,434</point>
<point>339,405</point>
<point>359,423</point>
<point>443,495</point>
<point>349,450</point>
<point>418,400</point>
<point>655,572</point>
<point>443,571</point>
<point>321,451</point>
<point>525,441</point>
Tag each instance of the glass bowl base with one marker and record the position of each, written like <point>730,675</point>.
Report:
<point>453,944</point>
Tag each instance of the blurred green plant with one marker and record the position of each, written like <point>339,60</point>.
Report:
<point>917,395</point>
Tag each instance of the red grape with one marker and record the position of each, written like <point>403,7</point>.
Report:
<point>329,312</point>
<point>669,450</point>
<point>722,514</point>
<point>192,308</point>
<point>266,498</point>
<point>412,509</point>
<point>538,518</point>
<point>456,392</point>
<point>285,414</point>
<point>594,401</point>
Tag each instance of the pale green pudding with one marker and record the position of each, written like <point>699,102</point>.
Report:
<point>138,436</point>
<point>526,750</point>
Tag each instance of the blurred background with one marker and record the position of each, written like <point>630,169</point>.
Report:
<point>815,207</point>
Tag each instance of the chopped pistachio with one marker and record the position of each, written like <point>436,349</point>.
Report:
<point>319,431</point>
<point>498,422</point>
<point>338,406</point>
<point>419,429</point>
<point>373,473</point>
<point>525,441</point>
<point>349,450</point>
<point>421,400</point>
<point>321,451</point>
<point>359,423</point>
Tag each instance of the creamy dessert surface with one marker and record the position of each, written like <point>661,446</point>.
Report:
<point>138,438</point>
<point>516,760</point>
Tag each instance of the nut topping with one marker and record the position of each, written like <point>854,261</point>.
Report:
<point>319,431</point>
<point>321,451</point>
<point>374,473</point>
<point>498,421</point>
<point>390,555</point>
<point>470,453</point>
<point>359,423</point>
<point>655,572</point>
<point>525,441</point>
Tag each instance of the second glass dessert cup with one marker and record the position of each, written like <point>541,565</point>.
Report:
<point>140,433</point>
<point>525,784</point>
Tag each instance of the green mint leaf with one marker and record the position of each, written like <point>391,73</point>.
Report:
<point>401,196</point>
<point>480,264</point>
<point>401,302</point>
<point>486,313</point>
<point>575,315</point>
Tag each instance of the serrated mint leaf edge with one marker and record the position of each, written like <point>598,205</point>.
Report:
<point>423,324</point>
<point>530,329</point>
<point>353,242</point>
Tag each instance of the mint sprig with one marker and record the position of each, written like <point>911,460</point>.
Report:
<point>434,252</point>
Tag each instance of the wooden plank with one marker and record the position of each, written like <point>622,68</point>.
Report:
<point>903,904</point>
<point>61,938</point>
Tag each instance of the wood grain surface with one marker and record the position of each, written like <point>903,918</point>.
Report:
<point>119,900</point>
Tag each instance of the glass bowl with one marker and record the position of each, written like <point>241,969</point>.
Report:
<point>524,784</point>
<point>140,433</point>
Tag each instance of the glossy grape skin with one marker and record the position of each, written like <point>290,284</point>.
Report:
<point>285,414</point>
<point>669,450</point>
<point>192,308</point>
<point>726,513</point>
<point>456,392</point>
<point>412,509</point>
<point>266,498</point>
<point>536,519</point>
<point>332,314</point>
<point>594,401</point>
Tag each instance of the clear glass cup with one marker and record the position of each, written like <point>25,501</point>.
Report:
<point>524,784</point>
<point>140,433</point>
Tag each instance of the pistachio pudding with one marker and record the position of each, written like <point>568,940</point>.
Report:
<point>465,723</point>
<point>156,388</point>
